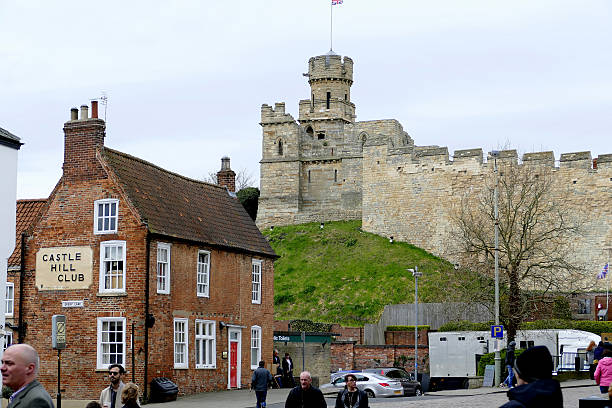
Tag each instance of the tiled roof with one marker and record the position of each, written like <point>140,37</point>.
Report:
<point>183,208</point>
<point>28,212</point>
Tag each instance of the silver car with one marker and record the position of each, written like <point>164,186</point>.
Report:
<point>374,385</point>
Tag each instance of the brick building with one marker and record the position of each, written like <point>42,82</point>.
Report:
<point>166,275</point>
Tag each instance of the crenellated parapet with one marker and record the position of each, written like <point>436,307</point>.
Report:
<point>330,66</point>
<point>577,160</point>
<point>276,115</point>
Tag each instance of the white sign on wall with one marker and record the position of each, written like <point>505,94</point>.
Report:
<point>64,268</point>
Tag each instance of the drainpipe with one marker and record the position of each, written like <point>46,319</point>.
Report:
<point>147,318</point>
<point>21,329</point>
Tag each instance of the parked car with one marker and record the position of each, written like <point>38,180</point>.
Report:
<point>411,386</point>
<point>372,384</point>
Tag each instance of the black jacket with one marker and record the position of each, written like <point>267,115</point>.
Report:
<point>540,393</point>
<point>310,398</point>
<point>510,357</point>
<point>362,399</point>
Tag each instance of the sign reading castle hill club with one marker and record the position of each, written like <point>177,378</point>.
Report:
<point>63,268</point>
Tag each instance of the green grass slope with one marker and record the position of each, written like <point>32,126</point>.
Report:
<point>342,274</point>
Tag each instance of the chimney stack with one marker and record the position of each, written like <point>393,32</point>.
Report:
<point>82,138</point>
<point>226,177</point>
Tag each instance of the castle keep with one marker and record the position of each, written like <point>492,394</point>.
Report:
<point>327,166</point>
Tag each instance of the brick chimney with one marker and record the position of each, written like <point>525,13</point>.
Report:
<point>82,137</point>
<point>226,177</point>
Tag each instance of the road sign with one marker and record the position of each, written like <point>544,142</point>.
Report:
<point>58,332</point>
<point>497,332</point>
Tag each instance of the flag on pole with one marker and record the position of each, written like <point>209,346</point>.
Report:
<point>603,272</point>
<point>336,2</point>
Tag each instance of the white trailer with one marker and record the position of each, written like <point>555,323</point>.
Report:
<point>454,356</point>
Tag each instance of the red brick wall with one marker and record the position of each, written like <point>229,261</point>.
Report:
<point>407,337</point>
<point>69,222</point>
<point>348,356</point>
<point>348,333</point>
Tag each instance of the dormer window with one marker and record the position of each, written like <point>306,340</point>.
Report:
<point>106,216</point>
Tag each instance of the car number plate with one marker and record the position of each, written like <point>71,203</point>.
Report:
<point>398,392</point>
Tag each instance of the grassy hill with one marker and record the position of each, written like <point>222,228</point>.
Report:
<point>342,274</point>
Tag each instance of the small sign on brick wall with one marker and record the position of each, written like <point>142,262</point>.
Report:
<point>72,303</point>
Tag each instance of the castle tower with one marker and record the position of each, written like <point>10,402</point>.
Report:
<point>311,168</point>
<point>330,78</point>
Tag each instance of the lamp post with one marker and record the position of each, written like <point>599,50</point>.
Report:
<point>495,154</point>
<point>415,272</point>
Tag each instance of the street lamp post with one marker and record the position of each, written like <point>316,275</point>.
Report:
<point>495,154</point>
<point>415,272</point>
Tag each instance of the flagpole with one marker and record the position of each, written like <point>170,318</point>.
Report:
<point>331,17</point>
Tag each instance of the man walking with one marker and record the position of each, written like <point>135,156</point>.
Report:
<point>288,371</point>
<point>20,364</point>
<point>305,395</point>
<point>259,382</point>
<point>110,397</point>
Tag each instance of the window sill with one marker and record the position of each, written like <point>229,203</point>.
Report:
<point>111,294</point>
<point>181,368</point>
<point>206,368</point>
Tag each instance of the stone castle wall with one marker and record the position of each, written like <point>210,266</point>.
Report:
<point>326,166</point>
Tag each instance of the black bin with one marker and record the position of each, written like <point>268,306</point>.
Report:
<point>163,390</point>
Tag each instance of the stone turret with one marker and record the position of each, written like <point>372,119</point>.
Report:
<point>330,77</point>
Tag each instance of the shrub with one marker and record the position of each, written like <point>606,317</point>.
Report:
<point>249,198</point>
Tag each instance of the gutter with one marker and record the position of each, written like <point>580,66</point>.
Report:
<point>148,319</point>
<point>21,329</point>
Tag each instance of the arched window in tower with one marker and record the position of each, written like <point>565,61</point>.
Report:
<point>363,137</point>
<point>335,176</point>
<point>327,103</point>
<point>309,176</point>
<point>310,132</point>
<point>312,100</point>
<point>280,147</point>
<point>345,97</point>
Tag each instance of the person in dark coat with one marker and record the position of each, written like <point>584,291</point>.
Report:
<point>598,352</point>
<point>288,371</point>
<point>259,382</point>
<point>535,386</point>
<point>350,396</point>
<point>510,381</point>
<point>305,395</point>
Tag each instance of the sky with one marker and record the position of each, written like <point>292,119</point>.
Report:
<point>185,80</point>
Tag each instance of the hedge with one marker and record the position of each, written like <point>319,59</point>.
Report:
<point>407,328</point>
<point>585,325</point>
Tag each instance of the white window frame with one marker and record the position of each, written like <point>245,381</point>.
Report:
<point>203,277</point>
<point>109,201</point>
<point>255,346</point>
<point>256,275</point>
<point>8,339</point>
<point>182,340</point>
<point>9,307</point>
<point>103,245</point>
<point>100,356</point>
<point>164,289</point>
<point>202,342</point>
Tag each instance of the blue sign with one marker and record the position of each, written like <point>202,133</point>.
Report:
<point>497,332</point>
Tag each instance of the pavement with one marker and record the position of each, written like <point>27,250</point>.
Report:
<point>474,398</point>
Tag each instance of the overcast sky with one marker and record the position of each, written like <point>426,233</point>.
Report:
<point>185,80</point>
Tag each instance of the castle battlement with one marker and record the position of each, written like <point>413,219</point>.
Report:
<point>330,67</point>
<point>276,115</point>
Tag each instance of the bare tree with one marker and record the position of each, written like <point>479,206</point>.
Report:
<point>536,229</point>
<point>244,179</point>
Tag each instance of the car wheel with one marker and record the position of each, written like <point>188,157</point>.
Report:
<point>418,392</point>
<point>370,394</point>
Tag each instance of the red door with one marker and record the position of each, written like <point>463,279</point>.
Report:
<point>233,364</point>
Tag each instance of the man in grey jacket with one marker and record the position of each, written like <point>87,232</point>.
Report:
<point>20,364</point>
<point>259,382</point>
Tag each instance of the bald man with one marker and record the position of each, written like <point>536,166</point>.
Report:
<point>19,371</point>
